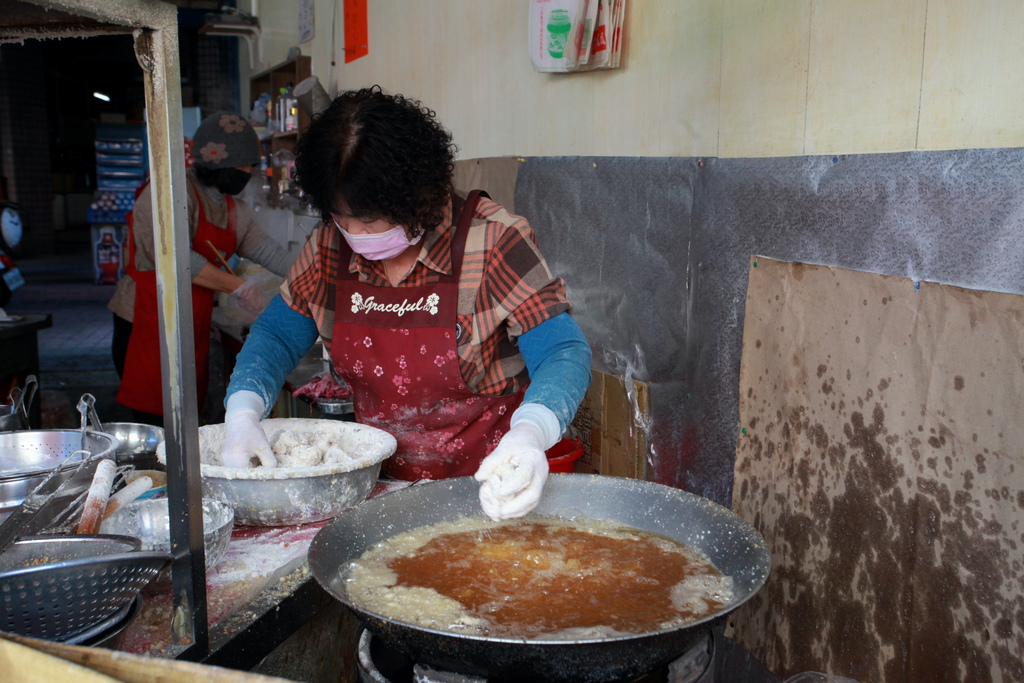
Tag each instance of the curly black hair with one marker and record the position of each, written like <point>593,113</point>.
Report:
<point>385,155</point>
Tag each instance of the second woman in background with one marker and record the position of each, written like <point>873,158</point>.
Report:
<point>226,151</point>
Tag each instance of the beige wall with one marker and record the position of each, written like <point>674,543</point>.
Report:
<point>727,78</point>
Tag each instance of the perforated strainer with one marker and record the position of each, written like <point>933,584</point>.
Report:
<point>55,588</point>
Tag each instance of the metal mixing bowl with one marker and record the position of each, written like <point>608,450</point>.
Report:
<point>281,496</point>
<point>149,521</point>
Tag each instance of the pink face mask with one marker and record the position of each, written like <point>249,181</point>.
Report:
<point>381,246</point>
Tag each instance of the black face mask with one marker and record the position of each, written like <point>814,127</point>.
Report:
<point>232,180</point>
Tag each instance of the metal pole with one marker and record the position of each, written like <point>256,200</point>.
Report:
<point>157,52</point>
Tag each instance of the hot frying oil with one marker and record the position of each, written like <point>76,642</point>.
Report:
<point>544,577</point>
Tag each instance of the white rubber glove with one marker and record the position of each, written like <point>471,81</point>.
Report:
<point>512,477</point>
<point>249,296</point>
<point>245,443</point>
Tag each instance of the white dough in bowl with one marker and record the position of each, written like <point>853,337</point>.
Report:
<point>299,444</point>
<point>348,454</point>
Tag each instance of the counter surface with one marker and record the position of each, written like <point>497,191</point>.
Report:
<point>263,571</point>
<point>257,559</point>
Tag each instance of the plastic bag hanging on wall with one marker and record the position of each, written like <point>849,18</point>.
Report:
<point>575,35</point>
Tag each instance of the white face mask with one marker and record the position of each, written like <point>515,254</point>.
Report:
<point>379,246</point>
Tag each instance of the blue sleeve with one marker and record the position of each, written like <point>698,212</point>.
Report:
<point>278,340</point>
<point>557,357</point>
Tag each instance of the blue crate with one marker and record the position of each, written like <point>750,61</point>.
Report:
<point>98,216</point>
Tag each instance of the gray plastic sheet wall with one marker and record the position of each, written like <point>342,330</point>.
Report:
<point>655,254</point>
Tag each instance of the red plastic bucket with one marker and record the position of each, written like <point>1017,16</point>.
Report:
<point>563,455</point>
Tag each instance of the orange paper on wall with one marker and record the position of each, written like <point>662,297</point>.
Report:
<point>357,41</point>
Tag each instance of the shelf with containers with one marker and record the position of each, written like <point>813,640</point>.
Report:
<point>279,130</point>
<point>122,161</point>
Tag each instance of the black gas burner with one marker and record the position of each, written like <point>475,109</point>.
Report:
<point>715,659</point>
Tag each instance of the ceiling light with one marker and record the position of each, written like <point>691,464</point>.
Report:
<point>101,96</point>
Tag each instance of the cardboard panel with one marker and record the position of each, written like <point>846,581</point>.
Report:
<point>879,455</point>
<point>30,660</point>
<point>613,421</point>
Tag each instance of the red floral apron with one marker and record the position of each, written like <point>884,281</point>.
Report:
<point>142,386</point>
<point>397,347</point>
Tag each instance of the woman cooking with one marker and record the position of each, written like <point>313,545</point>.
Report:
<point>438,311</point>
<point>226,149</point>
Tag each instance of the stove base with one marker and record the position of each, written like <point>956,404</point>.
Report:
<point>380,664</point>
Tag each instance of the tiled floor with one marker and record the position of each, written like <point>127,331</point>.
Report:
<point>74,354</point>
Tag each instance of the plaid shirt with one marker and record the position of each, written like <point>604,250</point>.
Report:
<point>505,289</point>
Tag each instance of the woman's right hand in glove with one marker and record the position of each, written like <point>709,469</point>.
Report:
<point>245,443</point>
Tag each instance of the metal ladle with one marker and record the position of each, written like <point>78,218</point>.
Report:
<point>21,398</point>
<point>87,409</point>
<point>14,417</point>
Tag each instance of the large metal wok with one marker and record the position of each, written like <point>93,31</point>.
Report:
<point>732,544</point>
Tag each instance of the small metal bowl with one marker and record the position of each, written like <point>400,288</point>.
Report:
<point>149,521</point>
<point>334,406</point>
<point>138,443</point>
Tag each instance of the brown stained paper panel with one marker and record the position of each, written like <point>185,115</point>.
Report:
<point>880,456</point>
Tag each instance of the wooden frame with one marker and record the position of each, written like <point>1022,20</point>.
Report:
<point>154,25</point>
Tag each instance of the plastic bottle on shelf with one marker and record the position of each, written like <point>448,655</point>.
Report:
<point>260,110</point>
<point>287,110</point>
<point>265,172</point>
<point>272,121</point>
<point>291,117</point>
<point>280,107</point>
<point>108,258</point>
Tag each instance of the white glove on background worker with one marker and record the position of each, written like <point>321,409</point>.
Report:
<point>513,475</point>
<point>244,438</point>
<point>249,296</point>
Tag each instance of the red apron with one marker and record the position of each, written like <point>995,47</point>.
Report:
<point>397,347</point>
<point>141,385</point>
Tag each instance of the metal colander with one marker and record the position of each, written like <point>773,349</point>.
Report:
<point>56,588</point>
<point>26,458</point>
